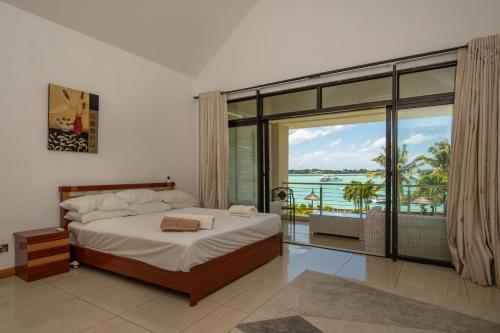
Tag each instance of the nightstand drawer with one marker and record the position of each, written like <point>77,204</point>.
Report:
<point>47,245</point>
<point>48,260</point>
<point>51,251</point>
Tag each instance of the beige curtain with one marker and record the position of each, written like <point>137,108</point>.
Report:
<point>214,150</point>
<point>474,184</point>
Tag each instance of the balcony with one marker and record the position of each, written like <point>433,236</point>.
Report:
<point>352,216</point>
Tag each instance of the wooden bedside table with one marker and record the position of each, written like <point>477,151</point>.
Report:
<point>41,253</point>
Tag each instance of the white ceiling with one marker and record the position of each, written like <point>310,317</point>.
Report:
<point>180,34</point>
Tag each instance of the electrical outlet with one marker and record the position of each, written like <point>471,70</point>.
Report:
<point>4,247</point>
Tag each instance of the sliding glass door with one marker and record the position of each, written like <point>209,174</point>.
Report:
<point>423,146</point>
<point>424,136</point>
<point>389,181</point>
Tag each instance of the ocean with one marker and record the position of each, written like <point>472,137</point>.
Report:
<point>332,191</point>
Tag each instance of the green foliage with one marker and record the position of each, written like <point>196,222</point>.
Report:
<point>436,173</point>
<point>429,172</point>
<point>360,194</point>
<point>302,210</point>
<point>328,208</point>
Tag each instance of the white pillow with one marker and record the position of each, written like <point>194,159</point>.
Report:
<point>181,205</point>
<point>96,215</point>
<point>88,203</point>
<point>82,205</point>
<point>110,201</point>
<point>149,208</point>
<point>139,196</point>
<point>176,196</point>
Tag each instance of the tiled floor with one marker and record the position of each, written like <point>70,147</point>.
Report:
<point>302,235</point>
<point>92,301</point>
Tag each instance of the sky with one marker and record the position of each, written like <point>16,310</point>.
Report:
<point>354,146</point>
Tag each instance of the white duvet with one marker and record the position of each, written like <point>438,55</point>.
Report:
<point>139,237</point>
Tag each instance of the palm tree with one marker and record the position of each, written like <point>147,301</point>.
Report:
<point>352,193</point>
<point>407,170</point>
<point>439,162</point>
<point>434,178</point>
<point>359,193</point>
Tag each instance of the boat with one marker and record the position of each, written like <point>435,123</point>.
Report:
<point>325,178</point>
<point>328,178</point>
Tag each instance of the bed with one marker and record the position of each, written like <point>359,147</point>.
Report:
<point>194,263</point>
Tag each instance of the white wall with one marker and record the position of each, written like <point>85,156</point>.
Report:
<point>279,39</point>
<point>146,120</point>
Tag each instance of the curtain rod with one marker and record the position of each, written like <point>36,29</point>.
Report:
<point>345,69</point>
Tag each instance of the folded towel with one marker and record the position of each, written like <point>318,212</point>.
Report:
<point>206,221</point>
<point>244,211</point>
<point>179,224</point>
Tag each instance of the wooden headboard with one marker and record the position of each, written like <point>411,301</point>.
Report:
<point>68,192</point>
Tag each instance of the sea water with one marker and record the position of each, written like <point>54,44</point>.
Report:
<point>331,191</point>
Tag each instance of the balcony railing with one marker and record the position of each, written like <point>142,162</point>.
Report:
<point>359,198</point>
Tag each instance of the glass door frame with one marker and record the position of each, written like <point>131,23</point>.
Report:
<point>392,106</point>
<point>404,104</point>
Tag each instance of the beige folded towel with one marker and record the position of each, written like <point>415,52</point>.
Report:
<point>206,221</point>
<point>170,223</point>
<point>243,211</point>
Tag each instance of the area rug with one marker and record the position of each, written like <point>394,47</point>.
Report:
<point>316,302</point>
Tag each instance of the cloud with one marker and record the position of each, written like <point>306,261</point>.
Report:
<point>335,142</point>
<point>379,142</point>
<point>369,145</point>
<point>303,158</point>
<point>306,134</point>
<point>416,139</point>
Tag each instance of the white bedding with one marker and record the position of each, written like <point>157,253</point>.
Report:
<point>139,237</point>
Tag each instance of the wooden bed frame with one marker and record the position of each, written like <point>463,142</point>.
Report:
<point>200,281</point>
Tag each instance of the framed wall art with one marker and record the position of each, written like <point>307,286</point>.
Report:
<point>73,120</point>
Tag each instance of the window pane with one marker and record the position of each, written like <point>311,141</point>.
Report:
<point>434,81</point>
<point>424,139</point>
<point>296,101</point>
<point>358,92</point>
<point>243,165</point>
<point>243,109</point>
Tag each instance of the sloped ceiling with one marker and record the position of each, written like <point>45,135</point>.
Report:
<point>180,34</point>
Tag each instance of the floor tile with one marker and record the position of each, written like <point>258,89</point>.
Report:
<point>292,252</point>
<point>73,316</point>
<point>25,302</point>
<point>373,270</point>
<point>321,260</point>
<point>430,270</point>
<point>488,296</point>
<point>284,276</point>
<point>230,291</point>
<point>219,321</point>
<point>265,270</point>
<point>122,296</point>
<point>43,306</point>
<point>82,280</point>
<point>117,325</point>
<point>169,313</point>
<point>253,297</point>
<point>14,284</point>
<point>432,281</point>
